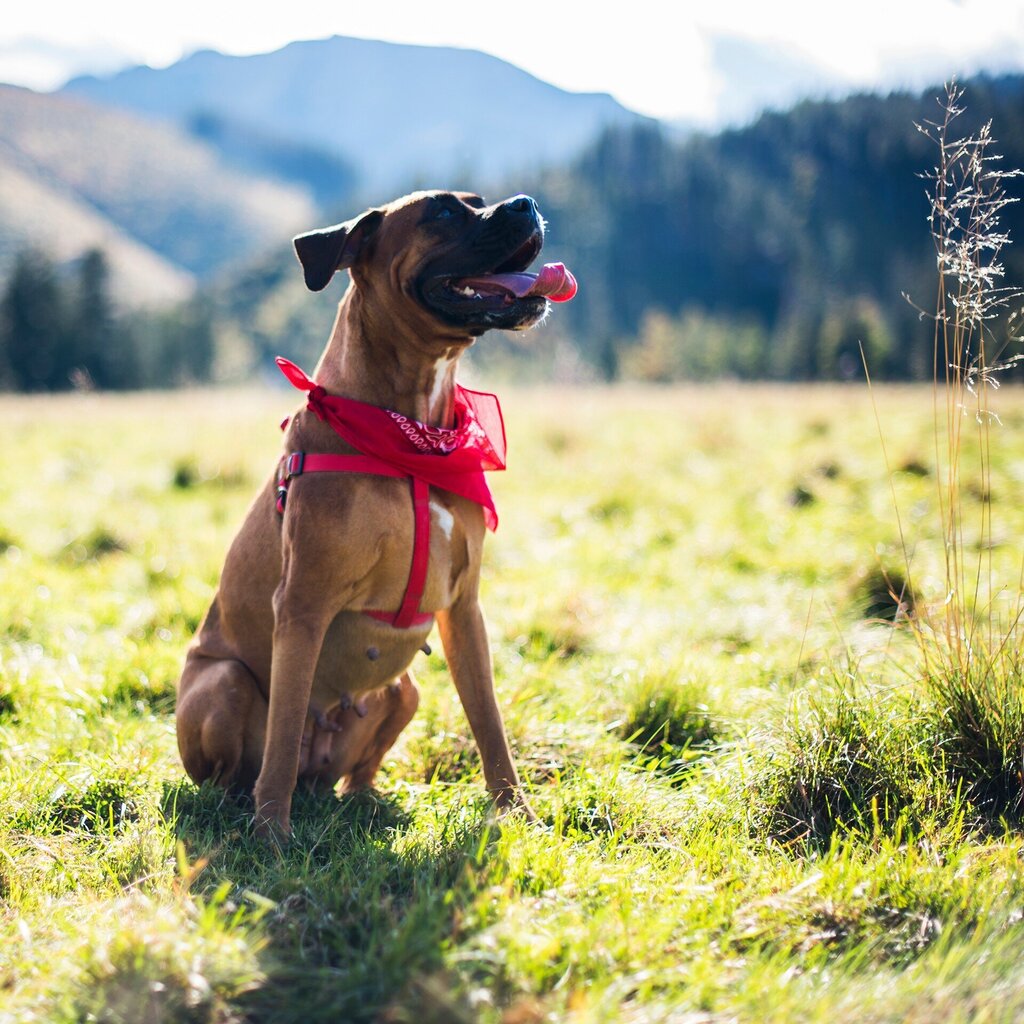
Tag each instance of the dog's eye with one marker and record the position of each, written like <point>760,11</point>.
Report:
<point>443,212</point>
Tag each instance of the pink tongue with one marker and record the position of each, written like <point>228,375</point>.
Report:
<point>553,282</point>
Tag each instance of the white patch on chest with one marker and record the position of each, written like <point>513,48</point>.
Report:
<point>441,368</point>
<point>445,520</point>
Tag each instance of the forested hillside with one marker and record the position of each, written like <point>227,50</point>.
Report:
<point>772,251</point>
<point>781,245</point>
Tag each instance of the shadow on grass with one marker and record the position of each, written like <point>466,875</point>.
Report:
<point>363,903</point>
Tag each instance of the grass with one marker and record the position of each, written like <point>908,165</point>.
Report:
<point>759,801</point>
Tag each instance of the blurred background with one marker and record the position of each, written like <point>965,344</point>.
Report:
<point>738,191</point>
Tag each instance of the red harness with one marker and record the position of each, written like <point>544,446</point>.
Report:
<point>392,438</point>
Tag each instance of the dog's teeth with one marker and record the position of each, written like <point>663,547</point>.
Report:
<point>361,708</point>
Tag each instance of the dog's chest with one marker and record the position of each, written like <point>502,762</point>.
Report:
<point>363,648</point>
<point>440,537</point>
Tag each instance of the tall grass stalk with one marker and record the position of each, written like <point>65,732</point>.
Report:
<point>971,668</point>
<point>967,194</point>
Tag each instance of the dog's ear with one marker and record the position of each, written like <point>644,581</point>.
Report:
<point>326,250</point>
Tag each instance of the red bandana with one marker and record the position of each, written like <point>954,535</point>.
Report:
<point>452,459</point>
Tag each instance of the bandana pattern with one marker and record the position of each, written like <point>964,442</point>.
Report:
<point>425,438</point>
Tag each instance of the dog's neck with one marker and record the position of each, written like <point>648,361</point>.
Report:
<point>373,358</point>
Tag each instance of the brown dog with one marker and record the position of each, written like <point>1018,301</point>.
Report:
<point>289,676</point>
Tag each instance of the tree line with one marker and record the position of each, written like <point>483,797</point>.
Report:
<point>61,329</point>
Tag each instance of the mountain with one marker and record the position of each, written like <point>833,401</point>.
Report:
<point>402,115</point>
<point>166,208</point>
<point>329,179</point>
<point>751,77</point>
<point>44,64</point>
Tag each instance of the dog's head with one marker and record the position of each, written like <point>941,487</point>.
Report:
<point>444,256</point>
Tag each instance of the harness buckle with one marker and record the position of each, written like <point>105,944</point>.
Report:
<point>291,466</point>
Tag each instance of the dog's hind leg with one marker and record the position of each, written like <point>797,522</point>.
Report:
<point>399,703</point>
<point>361,734</point>
<point>221,722</point>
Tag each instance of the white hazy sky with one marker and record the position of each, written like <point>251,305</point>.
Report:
<point>656,56</point>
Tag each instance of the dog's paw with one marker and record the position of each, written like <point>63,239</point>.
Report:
<point>272,832</point>
<point>271,826</point>
<point>512,803</point>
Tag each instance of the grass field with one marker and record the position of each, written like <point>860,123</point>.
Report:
<point>760,800</point>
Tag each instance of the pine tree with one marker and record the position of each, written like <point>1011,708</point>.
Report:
<point>32,335</point>
<point>197,340</point>
<point>111,345</point>
<point>92,320</point>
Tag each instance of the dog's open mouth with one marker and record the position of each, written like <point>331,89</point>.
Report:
<point>553,282</point>
<point>506,291</point>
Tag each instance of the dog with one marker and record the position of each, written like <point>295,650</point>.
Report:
<point>300,669</point>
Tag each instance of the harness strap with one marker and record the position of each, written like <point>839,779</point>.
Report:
<point>313,463</point>
<point>420,554</point>
<point>297,463</point>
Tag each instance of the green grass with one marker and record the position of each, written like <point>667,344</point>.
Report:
<point>759,801</point>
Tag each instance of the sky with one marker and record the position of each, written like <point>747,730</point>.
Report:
<point>707,62</point>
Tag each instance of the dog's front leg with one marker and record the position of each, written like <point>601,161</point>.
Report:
<point>464,635</point>
<point>300,622</point>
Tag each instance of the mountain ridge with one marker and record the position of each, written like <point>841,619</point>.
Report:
<point>404,115</point>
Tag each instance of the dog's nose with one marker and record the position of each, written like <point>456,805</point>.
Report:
<point>522,204</point>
